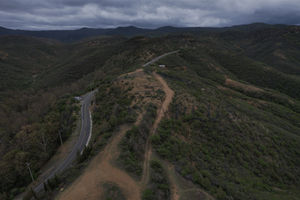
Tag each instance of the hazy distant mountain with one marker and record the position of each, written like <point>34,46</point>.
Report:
<point>69,36</point>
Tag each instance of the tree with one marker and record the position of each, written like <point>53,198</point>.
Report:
<point>113,121</point>
<point>43,140</point>
<point>56,179</point>
<point>147,194</point>
<point>54,182</point>
<point>205,182</point>
<point>155,139</point>
<point>20,159</point>
<point>31,193</point>
<point>34,193</point>
<point>21,138</point>
<point>175,149</point>
<point>3,196</point>
<point>45,187</point>
<point>49,184</point>
<point>220,193</point>
<point>105,127</point>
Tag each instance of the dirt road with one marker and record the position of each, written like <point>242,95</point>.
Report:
<point>161,112</point>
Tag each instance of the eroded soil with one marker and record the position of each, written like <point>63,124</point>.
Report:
<point>100,171</point>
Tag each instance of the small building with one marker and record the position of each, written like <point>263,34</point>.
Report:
<point>163,66</point>
<point>78,98</point>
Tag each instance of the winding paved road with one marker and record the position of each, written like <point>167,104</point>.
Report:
<point>84,138</point>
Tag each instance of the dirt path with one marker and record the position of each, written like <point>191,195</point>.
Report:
<point>202,195</point>
<point>100,171</point>
<point>161,112</point>
<point>181,189</point>
<point>174,189</point>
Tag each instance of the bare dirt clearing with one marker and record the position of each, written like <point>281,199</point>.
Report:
<point>100,171</point>
<point>281,56</point>
<point>3,55</point>
<point>137,73</point>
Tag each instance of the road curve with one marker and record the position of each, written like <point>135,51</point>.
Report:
<point>82,140</point>
<point>156,59</point>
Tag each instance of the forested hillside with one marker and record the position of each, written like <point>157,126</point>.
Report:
<point>232,127</point>
<point>234,121</point>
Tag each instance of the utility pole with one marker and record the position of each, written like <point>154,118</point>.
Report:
<point>30,172</point>
<point>60,137</point>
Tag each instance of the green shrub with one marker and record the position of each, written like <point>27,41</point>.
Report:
<point>205,183</point>
<point>105,127</point>
<point>155,139</point>
<point>147,194</point>
<point>155,164</point>
<point>113,121</point>
<point>66,96</point>
<point>72,100</point>
<point>164,152</point>
<point>197,178</point>
<point>205,173</point>
<point>73,118</point>
<point>220,193</point>
<point>76,108</point>
<point>106,135</point>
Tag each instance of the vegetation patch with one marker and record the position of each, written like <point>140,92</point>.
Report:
<point>133,145</point>
<point>223,146</point>
<point>111,109</point>
<point>112,192</point>
<point>40,135</point>
<point>158,186</point>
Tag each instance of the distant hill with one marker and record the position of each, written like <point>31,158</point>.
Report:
<point>62,35</point>
<point>69,36</point>
<point>55,63</point>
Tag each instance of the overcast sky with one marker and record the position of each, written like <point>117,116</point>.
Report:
<point>74,14</point>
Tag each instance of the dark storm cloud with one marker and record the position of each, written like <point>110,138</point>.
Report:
<point>72,14</point>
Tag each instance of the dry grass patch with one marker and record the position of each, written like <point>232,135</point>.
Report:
<point>279,55</point>
<point>246,88</point>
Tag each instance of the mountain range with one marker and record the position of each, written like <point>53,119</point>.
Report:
<point>69,36</point>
